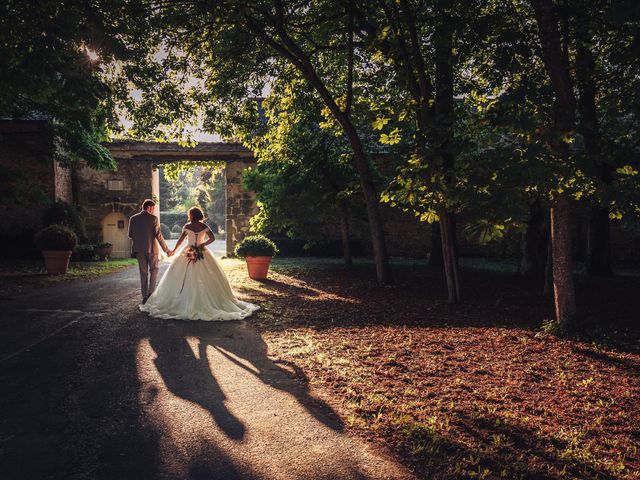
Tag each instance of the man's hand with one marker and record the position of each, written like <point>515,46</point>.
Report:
<point>170,253</point>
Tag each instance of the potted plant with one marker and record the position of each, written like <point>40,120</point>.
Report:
<point>103,250</point>
<point>83,253</point>
<point>56,243</point>
<point>257,250</point>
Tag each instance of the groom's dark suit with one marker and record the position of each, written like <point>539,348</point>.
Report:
<point>144,230</point>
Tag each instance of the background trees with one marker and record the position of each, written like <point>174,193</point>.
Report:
<point>305,181</point>
<point>501,116</point>
<point>54,56</point>
<point>496,111</point>
<point>201,184</point>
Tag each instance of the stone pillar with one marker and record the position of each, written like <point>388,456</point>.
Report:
<point>62,178</point>
<point>240,204</point>
<point>155,189</point>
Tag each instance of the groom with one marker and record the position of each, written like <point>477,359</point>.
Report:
<point>144,230</point>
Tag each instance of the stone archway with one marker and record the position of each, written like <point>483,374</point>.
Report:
<point>139,179</point>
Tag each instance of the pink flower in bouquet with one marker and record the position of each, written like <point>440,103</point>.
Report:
<point>194,253</point>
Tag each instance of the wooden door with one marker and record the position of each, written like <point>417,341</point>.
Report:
<point>114,231</point>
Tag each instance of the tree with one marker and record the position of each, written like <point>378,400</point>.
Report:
<point>194,184</point>
<point>557,66</point>
<point>53,57</point>
<point>604,84</point>
<point>418,39</point>
<point>234,48</point>
<point>304,179</point>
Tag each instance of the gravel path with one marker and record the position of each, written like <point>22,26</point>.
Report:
<point>90,388</point>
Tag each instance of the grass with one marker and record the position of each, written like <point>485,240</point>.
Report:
<point>20,276</point>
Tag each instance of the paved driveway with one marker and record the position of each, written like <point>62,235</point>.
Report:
<point>93,389</point>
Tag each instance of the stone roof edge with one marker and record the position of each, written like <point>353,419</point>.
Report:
<point>141,145</point>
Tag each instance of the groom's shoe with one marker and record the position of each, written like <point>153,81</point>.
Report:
<point>144,299</point>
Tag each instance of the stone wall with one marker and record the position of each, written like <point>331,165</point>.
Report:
<point>406,236</point>
<point>62,183</point>
<point>26,171</point>
<point>95,199</point>
<point>240,203</point>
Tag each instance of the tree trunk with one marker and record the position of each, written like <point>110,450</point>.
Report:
<point>548,268</point>
<point>444,61</point>
<point>598,256</point>
<point>532,245</point>
<point>562,269</point>
<point>343,213</point>
<point>383,270</point>
<point>447,230</point>
<point>557,67</point>
<point>290,50</point>
<point>598,261</point>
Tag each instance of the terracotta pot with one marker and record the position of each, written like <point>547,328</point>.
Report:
<point>258,267</point>
<point>103,252</point>
<point>55,261</point>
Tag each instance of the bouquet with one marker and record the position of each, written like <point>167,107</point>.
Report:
<point>194,253</point>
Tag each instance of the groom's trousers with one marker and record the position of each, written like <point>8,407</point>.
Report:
<point>148,264</point>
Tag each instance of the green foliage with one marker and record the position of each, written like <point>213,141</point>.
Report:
<point>303,172</point>
<point>56,237</point>
<point>231,62</point>
<point>176,228</point>
<point>168,64</point>
<point>166,231</point>
<point>84,253</point>
<point>62,213</point>
<point>171,219</point>
<point>172,171</point>
<point>424,439</point>
<point>193,184</point>
<point>553,327</point>
<point>255,246</point>
<point>484,231</point>
<point>48,73</point>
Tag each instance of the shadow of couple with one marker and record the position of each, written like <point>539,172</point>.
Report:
<point>188,373</point>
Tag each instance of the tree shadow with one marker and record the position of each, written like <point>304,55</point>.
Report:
<point>626,365</point>
<point>490,299</point>
<point>501,444</point>
<point>490,447</point>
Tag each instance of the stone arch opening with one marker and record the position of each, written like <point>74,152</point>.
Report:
<point>137,163</point>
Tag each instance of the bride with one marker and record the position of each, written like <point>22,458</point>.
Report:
<point>194,287</point>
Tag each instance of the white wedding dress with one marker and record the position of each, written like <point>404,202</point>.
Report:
<point>196,290</point>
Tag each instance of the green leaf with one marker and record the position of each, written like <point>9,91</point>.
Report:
<point>429,217</point>
<point>380,122</point>
<point>627,170</point>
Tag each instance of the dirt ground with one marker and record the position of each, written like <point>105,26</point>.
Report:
<point>475,390</point>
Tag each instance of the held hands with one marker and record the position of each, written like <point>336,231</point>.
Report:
<point>170,253</point>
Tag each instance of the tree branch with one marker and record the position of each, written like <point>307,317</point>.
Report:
<point>347,109</point>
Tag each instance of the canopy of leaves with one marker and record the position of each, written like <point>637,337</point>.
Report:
<point>54,57</point>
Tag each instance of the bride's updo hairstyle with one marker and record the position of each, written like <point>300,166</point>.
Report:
<point>195,214</point>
